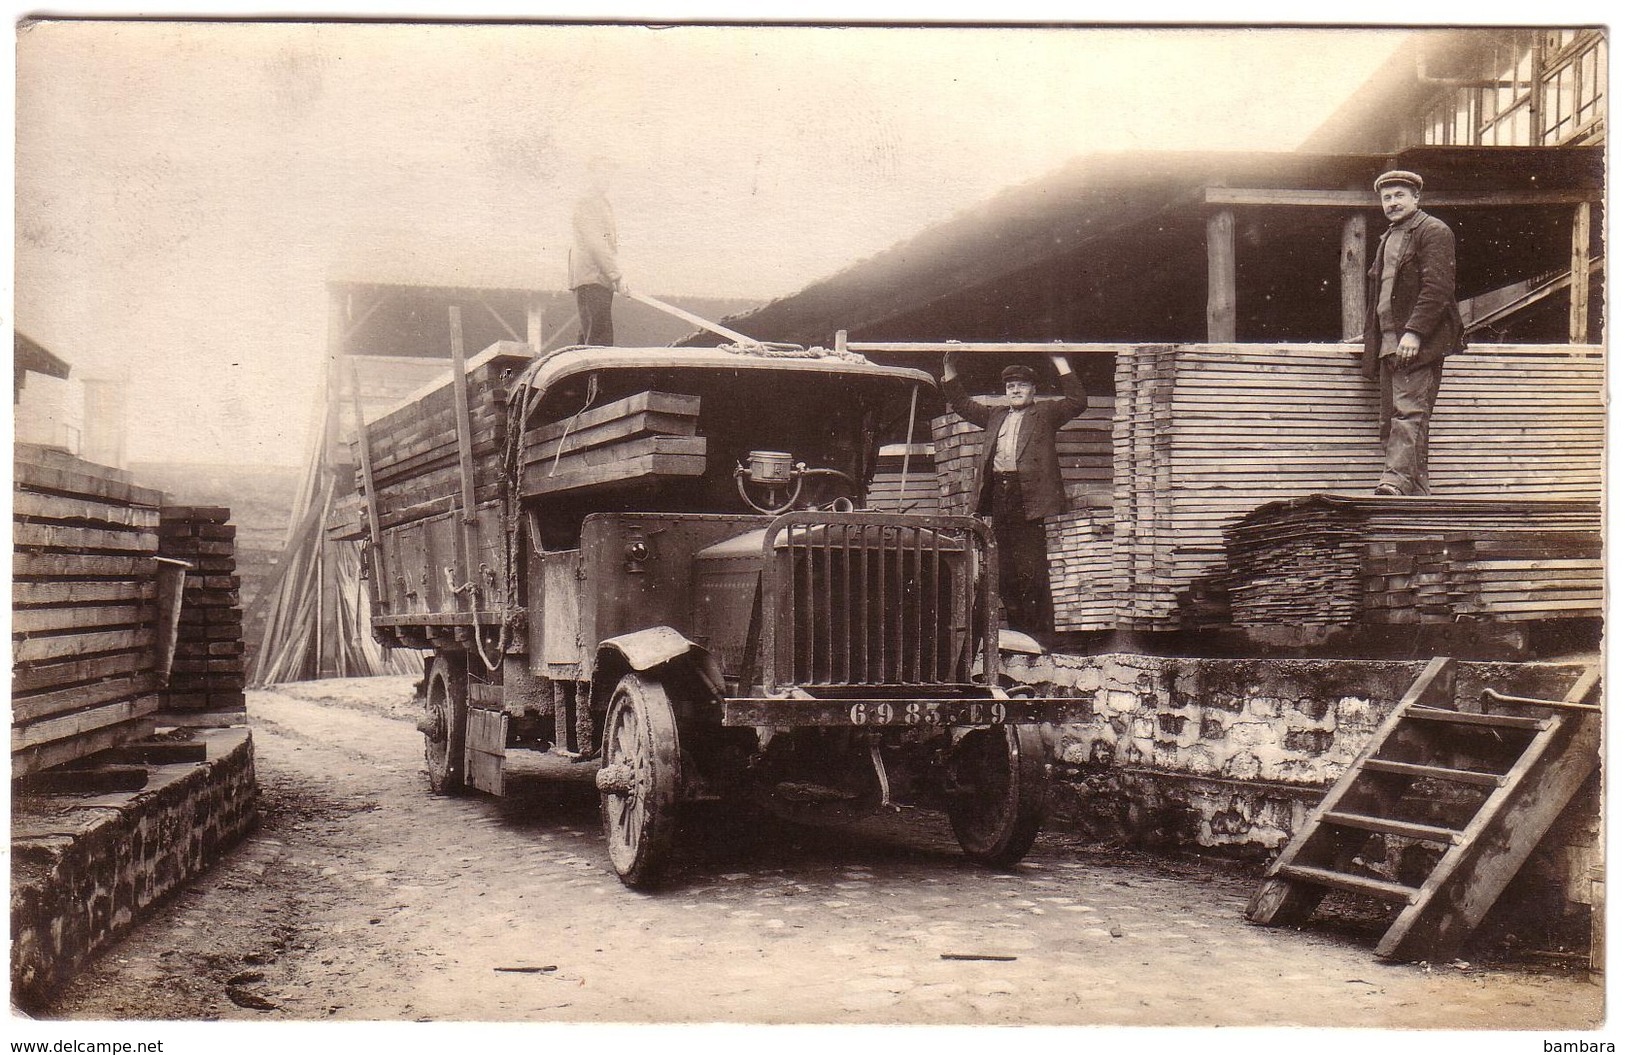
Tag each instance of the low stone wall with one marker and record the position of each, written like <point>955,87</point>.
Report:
<point>1233,753</point>
<point>84,867</point>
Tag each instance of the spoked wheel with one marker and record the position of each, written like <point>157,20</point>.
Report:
<point>999,783</point>
<point>445,723</point>
<point>640,781</point>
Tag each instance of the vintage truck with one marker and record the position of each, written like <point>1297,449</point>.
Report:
<point>654,561</point>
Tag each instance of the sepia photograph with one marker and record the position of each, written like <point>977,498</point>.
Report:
<point>622,523</point>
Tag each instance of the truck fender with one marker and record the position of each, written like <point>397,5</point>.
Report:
<point>645,650</point>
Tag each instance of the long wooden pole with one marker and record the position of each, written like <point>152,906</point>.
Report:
<point>465,433</point>
<point>375,540</point>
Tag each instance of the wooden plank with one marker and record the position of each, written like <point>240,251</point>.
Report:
<point>639,423</point>
<point>79,697</point>
<point>32,734</point>
<point>629,469</point>
<point>44,756</point>
<point>663,406</point>
<point>989,347</point>
<point>82,566</point>
<point>85,480</point>
<point>1370,886</point>
<point>33,593</point>
<point>77,670</point>
<point>78,539</point>
<point>49,620</point>
<point>633,448</point>
<point>37,649</point>
<point>38,505</point>
<point>1359,199</point>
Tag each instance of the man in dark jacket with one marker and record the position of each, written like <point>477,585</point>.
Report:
<point>1018,479</point>
<point>1412,323</point>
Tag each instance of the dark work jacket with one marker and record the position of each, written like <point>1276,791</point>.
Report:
<point>1036,462</point>
<point>1424,294</point>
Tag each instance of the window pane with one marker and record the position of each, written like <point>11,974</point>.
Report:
<point>1520,127</point>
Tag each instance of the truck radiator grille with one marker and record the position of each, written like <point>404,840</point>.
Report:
<point>872,599</point>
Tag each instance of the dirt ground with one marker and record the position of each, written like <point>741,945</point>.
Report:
<point>362,897</point>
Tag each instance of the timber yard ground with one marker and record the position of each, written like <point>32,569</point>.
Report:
<point>362,898</point>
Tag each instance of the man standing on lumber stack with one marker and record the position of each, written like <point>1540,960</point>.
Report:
<point>1018,479</point>
<point>1411,325</point>
<point>595,275</point>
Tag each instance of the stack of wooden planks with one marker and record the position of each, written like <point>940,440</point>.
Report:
<point>890,491</point>
<point>1206,433</point>
<point>206,678</point>
<point>644,436</point>
<point>1339,560</point>
<point>413,449</point>
<point>84,609</point>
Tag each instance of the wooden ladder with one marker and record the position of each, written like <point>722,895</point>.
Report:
<point>1481,789</point>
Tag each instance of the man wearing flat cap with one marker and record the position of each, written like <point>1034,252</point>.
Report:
<point>1412,323</point>
<point>1018,479</point>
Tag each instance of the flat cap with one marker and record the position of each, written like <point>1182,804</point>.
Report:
<point>1019,373</point>
<point>1398,176</point>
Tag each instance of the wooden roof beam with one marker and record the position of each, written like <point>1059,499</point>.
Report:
<point>1360,199</point>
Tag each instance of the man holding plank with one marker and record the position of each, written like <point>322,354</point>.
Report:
<point>1018,478</point>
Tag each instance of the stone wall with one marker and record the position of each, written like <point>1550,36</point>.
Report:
<point>85,867</point>
<point>1233,753</point>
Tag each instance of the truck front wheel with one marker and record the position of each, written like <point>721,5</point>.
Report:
<point>998,784</point>
<point>639,783</point>
<point>445,723</point>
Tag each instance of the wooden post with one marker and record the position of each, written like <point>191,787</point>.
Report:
<point>533,324</point>
<point>1221,277</point>
<point>1580,275</point>
<point>375,539</point>
<point>465,432</point>
<point>465,462</point>
<point>1354,268</point>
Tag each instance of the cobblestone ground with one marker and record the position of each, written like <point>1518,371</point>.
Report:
<point>363,897</point>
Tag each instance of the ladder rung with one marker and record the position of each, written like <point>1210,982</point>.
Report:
<point>1501,721</point>
<point>1459,776</point>
<point>1426,832</point>
<point>1343,881</point>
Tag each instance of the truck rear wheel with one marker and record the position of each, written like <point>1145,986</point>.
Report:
<point>1000,785</point>
<point>640,782</point>
<point>445,723</point>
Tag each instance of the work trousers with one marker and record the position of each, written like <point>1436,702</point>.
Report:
<point>1408,395</point>
<point>1023,557</point>
<point>592,305</point>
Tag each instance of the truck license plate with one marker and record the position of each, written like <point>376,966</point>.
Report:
<point>900,714</point>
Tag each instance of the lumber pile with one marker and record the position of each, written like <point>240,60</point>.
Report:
<point>1206,433</point>
<point>413,449</point>
<point>645,436</point>
<point>1339,559</point>
<point>892,492</point>
<point>84,609</point>
<point>206,678</point>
